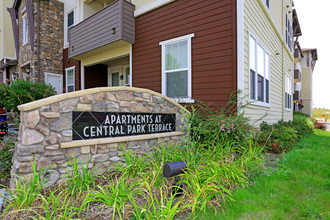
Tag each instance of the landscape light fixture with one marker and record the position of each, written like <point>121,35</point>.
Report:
<point>172,169</point>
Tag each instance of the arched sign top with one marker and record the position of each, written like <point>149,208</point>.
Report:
<point>57,98</point>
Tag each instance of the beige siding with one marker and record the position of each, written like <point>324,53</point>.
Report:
<point>7,46</point>
<point>257,23</point>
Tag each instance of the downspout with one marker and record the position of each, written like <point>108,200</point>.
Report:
<point>38,43</point>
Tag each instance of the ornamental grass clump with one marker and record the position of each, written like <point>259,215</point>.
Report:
<point>79,177</point>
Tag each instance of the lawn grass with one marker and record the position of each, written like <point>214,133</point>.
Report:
<point>298,189</point>
<point>317,113</point>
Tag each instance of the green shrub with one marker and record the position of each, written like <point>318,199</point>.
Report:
<point>21,91</point>
<point>211,126</point>
<point>7,146</point>
<point>278,137</point>
<point>302,123</point>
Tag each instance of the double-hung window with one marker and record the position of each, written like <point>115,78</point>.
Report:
<point>25,29</point>
<point>288,32</point>
<point>70,87</point>
<point>259,72</point>
<point>70,23</point>
<point>288,92</point>
<point>176,68</point>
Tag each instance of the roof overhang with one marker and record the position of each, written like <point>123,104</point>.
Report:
<point>7,62</point>
<point>296,25</point>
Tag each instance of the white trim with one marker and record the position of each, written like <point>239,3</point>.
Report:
<point>124,74</point>
<point>66,78</point>
<point>189,65</point>
<point>177,39</point>
<point>256,102</point>
<point>25,30</point>
<point>4,73</point>
<point>131,63</point>
<point>289,91</point>
<point>183,100</point>
<point>23,10</point>
<point>151,6</point>
<point>240,48</point>
<point>82,76</point>
<point>66,27</point>
<point>57,75</point>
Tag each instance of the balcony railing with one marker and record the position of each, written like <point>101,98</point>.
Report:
<point>297,75</point>
<point>114,23</point>
<point>296,95</point>
<point>297,55</point>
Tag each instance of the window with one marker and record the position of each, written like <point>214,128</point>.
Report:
<point>267,3</point>
<point>288,92</point>
<point>127,77</point>
<point>259,72</point>
<point>288,32</point>
<point>25,30</point>
<point>70,23</point>
<point>70,79</point>
<point>176,68</point>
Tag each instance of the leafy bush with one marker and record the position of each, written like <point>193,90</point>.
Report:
<point>302,123</point>
<point>209,126</point>
<point>7,146</point>
<point>321,126</point>
<point>21,91</point>
<point>278,137</point>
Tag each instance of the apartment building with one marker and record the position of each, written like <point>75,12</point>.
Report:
<point>308,64</point>
<point>188,50</point>
<point>304,62</point>
<point>8,59</point>
<point>38,36</point>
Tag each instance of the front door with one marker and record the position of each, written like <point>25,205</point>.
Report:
<point>119,76</point>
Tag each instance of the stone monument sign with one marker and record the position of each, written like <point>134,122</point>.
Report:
<point>94,123</point>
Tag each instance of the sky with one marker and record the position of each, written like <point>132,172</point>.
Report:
<point>314,16</point>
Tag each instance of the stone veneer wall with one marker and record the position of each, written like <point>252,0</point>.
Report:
<point>51,38</point>
<point>45,132</point>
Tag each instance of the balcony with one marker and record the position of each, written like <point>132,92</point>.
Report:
<point>297,55</point>
<point>297,76</point>
<point>110,28</point>
<point>296,95</point>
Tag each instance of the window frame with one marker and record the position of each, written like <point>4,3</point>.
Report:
<point>163,44</point>
<point>256,72</point>
<point>67,23</point>
<point>288,92</point>
<point>25,30</point>
<point>288,33</point>
<point>73,68</point>
<point>125,83</point>
<point>268,3</point>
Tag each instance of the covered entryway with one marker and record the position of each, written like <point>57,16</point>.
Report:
<point>109,73</point>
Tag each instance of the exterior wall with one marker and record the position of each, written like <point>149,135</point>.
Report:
<point>307,90</point>
<point>265,31</point>
<point>213,46</point>
<point>67,63</point>
<point>7,45</point>
<point>51,39</point>
<point>46,133</point>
